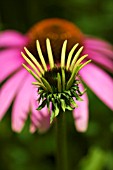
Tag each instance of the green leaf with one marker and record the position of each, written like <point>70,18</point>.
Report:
<point>73,102</point>
<point>59,95</point>
<point>59,82</point>
<point>48,105</point>
<point>70,82</point>
<point>78,68</point>
<point>69,107</point>
<point>83,91</point>
<point>77,96</point>
<point>46,84</point>
<point>63,104</point>
<point>66,96</point>
<point>63,79</point>
<point>56,110</point>
<point>53,101</point>
<point>44,94</point>
<point>55,96</point>
<point>52,116</point>
<point>39,98</point>
<point>75,87</point>
<point>42,105</point>
<point>40,91</point>
<point>68,92</point>
<point>50,97</point>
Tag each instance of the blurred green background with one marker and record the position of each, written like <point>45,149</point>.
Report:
<point>92,150</point>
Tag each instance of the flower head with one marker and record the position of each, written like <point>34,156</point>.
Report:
<point>57,84</point>
<point>16,82</point>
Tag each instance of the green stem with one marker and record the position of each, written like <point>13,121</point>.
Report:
<point>61,138</point>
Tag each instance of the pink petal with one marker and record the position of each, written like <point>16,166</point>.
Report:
<point>108,53</point>
<point>96,43</point>
<point>39,119</point>
<point>81,113</point>
<point>10,61</point>
<point>100,59</point>
<point>12,38</point>
<point>9,90</point>
<point>21,106</point>
<point>100,82</point>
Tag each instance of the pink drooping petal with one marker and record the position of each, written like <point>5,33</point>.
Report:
<point>105,52</point>
<point>100,83</point>
<point>12,38</point>
<point>39,119</point>
<point>100,59</point>
<point>9,90</point>
<point>10,61</point>
<point>99,45</point>
<point>108,53</point>
<point>81,113</point>
<point>21,106</point>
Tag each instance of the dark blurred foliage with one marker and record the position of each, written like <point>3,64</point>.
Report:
<point>93,17</point>
<point>92,150</point>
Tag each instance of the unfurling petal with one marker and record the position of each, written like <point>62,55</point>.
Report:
<point>39,119</point>
<point>12,39</point>
<point>81,113</point>
<point>21,105</point>
<point>9,90</point>
<point>10,61</point>
<point>100,83</point>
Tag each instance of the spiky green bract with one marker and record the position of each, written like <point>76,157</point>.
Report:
<point>56,82</point>
<point>60,100</point>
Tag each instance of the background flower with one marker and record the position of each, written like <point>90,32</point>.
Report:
<point>92,74</point>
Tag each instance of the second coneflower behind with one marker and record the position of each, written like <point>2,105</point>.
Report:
<point>58,83</point>
<point>16,81</point>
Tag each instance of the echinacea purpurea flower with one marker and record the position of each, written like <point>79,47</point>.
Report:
<point>57,84</point>
<point>18,82</point>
